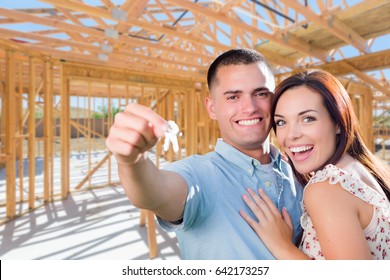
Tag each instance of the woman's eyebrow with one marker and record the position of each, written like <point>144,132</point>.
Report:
<point>307,111</point>
<point>299,114</point>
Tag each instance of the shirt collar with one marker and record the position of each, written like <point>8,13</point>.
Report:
<point>246,163</point>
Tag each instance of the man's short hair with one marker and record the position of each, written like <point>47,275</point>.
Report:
<point>235,57</point>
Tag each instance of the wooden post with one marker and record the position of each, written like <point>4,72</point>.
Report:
<point>204,131</point>
<point>3,69</point>
<point>367,108</point>
<point>10,129</point>
<point>109,120</point>
<point>20,139</point>
<point>152,240</point>
<point>65,135</point>
<point>89,131</point>
<point>169,115</point>
<point>190,123</point>
<point>31,135</point>
<point>47,134</point>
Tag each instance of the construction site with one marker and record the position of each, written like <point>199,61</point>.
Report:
<point>67,67</point>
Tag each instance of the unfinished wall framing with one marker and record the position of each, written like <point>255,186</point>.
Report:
<point>53,112</point>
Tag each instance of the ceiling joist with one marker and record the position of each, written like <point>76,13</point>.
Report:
<point>182,37</point>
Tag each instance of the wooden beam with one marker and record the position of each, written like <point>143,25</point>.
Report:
<point>331,24</point>
<point>108,4</point>
<point>229,5</point>
<point>285,39</point>
<point>363,6</point>
<point>97,34</point>
<point>115,62</point>
<point>91,172</point>
<point>128,75</point>
<point>368,79</point>
<point>358,66</point>
<point>162,29</point>
<point>93,49</point>
<point>369,62</point>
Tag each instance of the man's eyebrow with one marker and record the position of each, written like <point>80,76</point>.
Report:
<point>261,88</point>
<point>237,91</point>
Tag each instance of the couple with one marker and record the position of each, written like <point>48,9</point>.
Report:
<point>209,200</point>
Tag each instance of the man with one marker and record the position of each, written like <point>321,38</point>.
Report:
<point>200,196</point>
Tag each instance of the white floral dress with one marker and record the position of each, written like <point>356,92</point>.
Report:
<point>377,232</point>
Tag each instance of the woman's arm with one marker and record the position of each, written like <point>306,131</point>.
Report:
<point>274,229</point>
<point>335,216</point>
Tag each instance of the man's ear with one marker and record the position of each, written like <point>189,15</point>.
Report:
<point>210,107</point>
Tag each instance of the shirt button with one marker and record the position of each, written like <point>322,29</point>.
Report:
<point>268,183</point>
<point>250,170</point>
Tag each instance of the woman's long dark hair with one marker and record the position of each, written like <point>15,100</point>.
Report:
<point>339,106</point>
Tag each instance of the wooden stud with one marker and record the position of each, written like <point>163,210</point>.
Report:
<point>152,239</point>
<point>48,137</point>
<point>65,135</point>
<point>109,121</point>
<point>10,128</point>
<point>88,119</point>
<point>19,141</point>
<point>31,136</point>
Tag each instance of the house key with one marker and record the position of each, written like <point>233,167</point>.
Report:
<point>171,136</point>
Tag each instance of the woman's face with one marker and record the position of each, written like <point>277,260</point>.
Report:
<point>304,129</point>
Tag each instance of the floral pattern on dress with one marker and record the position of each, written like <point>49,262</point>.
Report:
<point>378,239</point>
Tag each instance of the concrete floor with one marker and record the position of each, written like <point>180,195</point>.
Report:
<point>92,224</point>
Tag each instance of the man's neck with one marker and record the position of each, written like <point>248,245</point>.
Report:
<point>264,158</point>
<point>262,155</point>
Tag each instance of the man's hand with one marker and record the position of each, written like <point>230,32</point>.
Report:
<point>135,131</point>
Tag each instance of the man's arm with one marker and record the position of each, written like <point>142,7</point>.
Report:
<point>134,132</point>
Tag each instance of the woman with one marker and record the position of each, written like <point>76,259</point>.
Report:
<point>346,209</point>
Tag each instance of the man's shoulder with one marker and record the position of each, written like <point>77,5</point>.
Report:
<point>196,160</point>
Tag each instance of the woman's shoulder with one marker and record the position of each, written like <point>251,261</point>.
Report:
<point>329,173</point>
<point>324,186</point>
<point>330,184</point>
<point>350,176</point>
<point>347,171</point>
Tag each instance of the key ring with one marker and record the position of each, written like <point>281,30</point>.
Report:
<point>171,136</point>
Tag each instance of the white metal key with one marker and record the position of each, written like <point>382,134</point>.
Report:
<point>171,136</point>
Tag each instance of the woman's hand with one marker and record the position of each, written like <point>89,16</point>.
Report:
<point>274,228</point>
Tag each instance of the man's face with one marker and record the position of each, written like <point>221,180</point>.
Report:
<point>241,103</point>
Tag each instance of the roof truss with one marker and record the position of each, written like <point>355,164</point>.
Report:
<point>182,37</point>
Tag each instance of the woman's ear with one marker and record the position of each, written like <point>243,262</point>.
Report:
<point>210,107</point>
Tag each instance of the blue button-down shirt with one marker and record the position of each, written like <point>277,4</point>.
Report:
<point>212,227</point>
